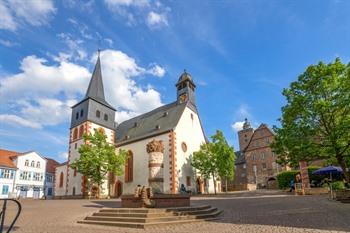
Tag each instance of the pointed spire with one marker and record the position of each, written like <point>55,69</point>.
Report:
<point>95,89</point>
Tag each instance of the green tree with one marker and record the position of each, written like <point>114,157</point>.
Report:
<point>315,122</point>
<point>97,159</point>
<point>215,159</point>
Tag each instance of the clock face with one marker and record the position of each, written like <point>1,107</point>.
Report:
<point>183,98</point>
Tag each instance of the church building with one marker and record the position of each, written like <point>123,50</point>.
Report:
<point>177,126</point>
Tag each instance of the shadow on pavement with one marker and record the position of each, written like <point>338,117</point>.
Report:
<point>313,212</point>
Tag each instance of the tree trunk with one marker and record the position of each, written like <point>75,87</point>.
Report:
<point>226,184</point>
<point>109,184</point>
<point>214,184</point>
<point>344,167</point>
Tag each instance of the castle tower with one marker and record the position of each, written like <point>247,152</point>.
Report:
<point>93,112</point>
<point>185,89</point>
<point>245,134</point>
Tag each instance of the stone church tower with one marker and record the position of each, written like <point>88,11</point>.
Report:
<point>245,135</point>
<point>93,112</point>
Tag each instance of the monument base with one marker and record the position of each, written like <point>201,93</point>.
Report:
<point>160,201</point>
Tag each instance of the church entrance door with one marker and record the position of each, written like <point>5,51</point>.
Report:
<point>118,189</point>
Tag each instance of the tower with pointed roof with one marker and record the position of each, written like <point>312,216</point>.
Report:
<point>92,112</point>
<point>245,135</point>
<point>185,89</point>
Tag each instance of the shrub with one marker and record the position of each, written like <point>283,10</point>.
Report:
<point>285,177</point>
<point>338,185</point>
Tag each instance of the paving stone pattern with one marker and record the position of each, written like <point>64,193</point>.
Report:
<point>243,212</point>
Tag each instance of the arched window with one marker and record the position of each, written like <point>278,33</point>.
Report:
<point>26,163</point>
<point>75,133</point>
<point>38,164</point>
<point>105,117</point>
<point>77,115</point>
<point>81,113</point>
<point>32,164</point>
<point>61,180</point>
<point>81,131</point>
<point>129,168</point>
<point>98,113</point>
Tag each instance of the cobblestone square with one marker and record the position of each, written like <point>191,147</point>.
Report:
<point>243,212</point>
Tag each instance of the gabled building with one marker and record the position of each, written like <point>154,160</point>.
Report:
<point>256,165</point>
<point>25,175</point>
<point>7,173</point>
<point>177,125</point>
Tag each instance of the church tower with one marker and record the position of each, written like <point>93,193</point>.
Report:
<point>93,112</point>
<point>185,89</point>
<point>245,134</point>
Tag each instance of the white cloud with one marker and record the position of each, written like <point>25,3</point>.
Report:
<point>41,94</point>
<point>76,50</point>
<point>241,113</point>
<point>34,12</point>
<point>16,120</point>
<point>156,20</point>
<point>37,79</point>
<point>157,70</point>
<point>123,92</point>
<point>63,155</point>
<point>136,3</point>
<point>237,126</point>
<point>8,43</point>
<point>6,19</point>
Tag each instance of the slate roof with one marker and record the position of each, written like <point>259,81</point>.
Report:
<point>240,159</point>
<point>95,90</point>
<point>6,158</point>
<point>155,122</point>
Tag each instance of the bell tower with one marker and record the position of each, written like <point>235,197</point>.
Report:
<point>92,112</point>
<point>245,135</point>
<point>185,89</point>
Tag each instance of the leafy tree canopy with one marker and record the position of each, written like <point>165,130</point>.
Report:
<point>215,159</point>
<point>315,122</point>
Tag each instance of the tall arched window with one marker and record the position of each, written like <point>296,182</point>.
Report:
<point>75,133</point>
<point>61,180</point>
<point>38,164</point>
<point>32,164</point>
<point>81,131</point>
<point>129,169</point>
<point>26,163</point>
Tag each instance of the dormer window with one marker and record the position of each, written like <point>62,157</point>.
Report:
<point>105,117</point>
<point>98,113</point>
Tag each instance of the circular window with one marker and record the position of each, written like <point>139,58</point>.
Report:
<point>184,147</point>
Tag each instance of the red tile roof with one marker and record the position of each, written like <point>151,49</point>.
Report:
<point>5,158</point>
<point>51,165</point>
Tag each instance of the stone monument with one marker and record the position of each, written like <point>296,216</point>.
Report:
<point>155,150</point>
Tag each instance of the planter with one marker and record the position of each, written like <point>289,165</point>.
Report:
<point>341,194</point>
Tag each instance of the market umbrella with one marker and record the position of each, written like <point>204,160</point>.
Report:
<point>331,171</point>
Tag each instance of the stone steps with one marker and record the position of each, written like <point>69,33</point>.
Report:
<point>142,218</point>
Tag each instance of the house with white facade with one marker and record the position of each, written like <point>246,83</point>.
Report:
<point>177,125</point>
<point>7,173</point>
<point>24,175</point>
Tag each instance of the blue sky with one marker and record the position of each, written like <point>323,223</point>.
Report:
<point>241,55</point>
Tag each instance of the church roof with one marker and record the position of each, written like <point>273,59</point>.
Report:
<point>95,90</point>
<point>155,122</point>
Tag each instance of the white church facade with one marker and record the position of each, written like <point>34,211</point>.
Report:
<point>177,125</point>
